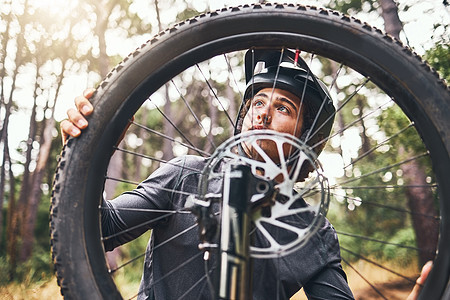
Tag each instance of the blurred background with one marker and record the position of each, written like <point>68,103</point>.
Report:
<point>51,50</point>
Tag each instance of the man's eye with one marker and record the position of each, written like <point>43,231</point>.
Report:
<point>258,103</point>
<point>283,109</point>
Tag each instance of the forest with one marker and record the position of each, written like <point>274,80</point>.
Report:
<point>52,50</point>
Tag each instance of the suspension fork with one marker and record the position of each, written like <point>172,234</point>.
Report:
<point>228,238</point>
<point>242,192</point>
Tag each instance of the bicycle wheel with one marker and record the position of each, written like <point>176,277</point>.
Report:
<point>382,78</point>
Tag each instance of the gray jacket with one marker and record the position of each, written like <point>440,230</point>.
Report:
<point>315,267</point>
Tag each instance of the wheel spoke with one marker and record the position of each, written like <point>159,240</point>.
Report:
<point>393,208</point>
<point>378,265</point>
<point>344,103</point>
<point>156,247</point>
<point>323,105</point>
<point>174,270</point>
<point>152,186</point>
<point>154,220</point>
<point>152,158</point>
<point>351,124</point>
<point>199,151</point>
<point>176,128</point>
<point>362,237</point>
<point>388,186</point>
<point>384,168</point>
<point>215,95</point>
<point>378,145</point>
<point>195,116</point>
<point>365,279</point>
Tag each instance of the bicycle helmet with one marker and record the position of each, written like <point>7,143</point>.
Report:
<point>284,69</point>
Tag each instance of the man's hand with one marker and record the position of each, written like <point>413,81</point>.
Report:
<point>76,121</point>
<point>420,281</point>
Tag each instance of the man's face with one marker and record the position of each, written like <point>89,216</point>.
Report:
<point>273,109</point>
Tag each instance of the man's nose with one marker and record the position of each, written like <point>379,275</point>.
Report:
<point>264,116</point>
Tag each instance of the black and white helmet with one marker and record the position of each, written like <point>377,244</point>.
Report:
<point>284,69</point>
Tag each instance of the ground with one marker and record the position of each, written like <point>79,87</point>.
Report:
<point>390,285</point>
<point>396,290</point>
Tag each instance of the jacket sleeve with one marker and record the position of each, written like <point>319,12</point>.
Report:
<point>329,283</point>
<point>134,212</point>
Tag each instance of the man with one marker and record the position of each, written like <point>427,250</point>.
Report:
<point>285,99</point>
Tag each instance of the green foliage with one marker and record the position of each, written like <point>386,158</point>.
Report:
<point>148,145</point>
<point>439,58</point>
<point>398,248</point>
<point>406,144</point>
<point>39,267</point>
<point>129,277</point>
<point>402,255</point>
<point>186,14</point>
<point>123,187</point>
<point>4,271</point>
<point>52,162</point>
<point>373,202</point>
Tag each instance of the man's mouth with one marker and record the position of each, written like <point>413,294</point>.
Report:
<point>258,127</point>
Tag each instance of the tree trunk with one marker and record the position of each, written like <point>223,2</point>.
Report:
<point>25,191</point>
<point>11,234</point>
<point>420,200</point>
<point>13,213</point>
<point>5,159</point>
<point>45,145</point>
<point>4,130</point>
<point>392,23</point>
<point>35,194</point>
<point>2,185</point>
<point>12,229</point>
<point>365,147</point>
<point>340,122</point>
<point>137,160</point>
<point>168,128</point>
<point>232,110</point>
<point>213,117</point>
<point>10,238</point>
<point>102,12</point>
